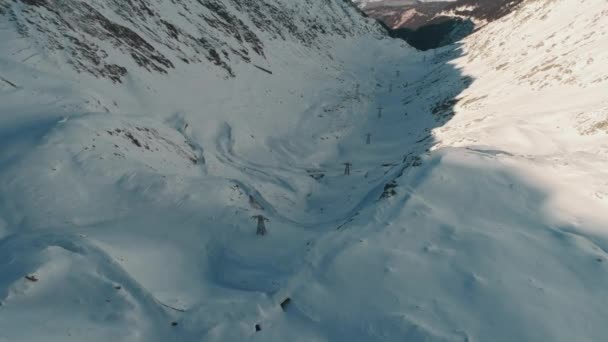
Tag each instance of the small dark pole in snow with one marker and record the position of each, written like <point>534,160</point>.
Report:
<point>31,278</point>
<point>347,168</point>
<point>390,88</point>
<point>357,90</point>
<point>398,73</point>
<point>263,69</point>
<point>9,82</point>
<point>261,229</point>
<point>368,139</point>
<point>379,112</point>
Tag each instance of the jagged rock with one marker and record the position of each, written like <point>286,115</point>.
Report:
<point>389,190</point>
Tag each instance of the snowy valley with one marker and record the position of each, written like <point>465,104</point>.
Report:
<point>457,194</point>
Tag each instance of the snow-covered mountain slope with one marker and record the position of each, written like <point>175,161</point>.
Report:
<point>473,211</point>
<point>541,94</point>
<point>107,38</point>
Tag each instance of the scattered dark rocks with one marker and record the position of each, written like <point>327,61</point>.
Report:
<point>389,190</point>
<point>35,2</point>
<point>144,136</point>
<point>316,174</point>
<point>133,139</point>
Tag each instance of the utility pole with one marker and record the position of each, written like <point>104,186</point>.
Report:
<point>347,168</point>
<point>368,139</point>
<point>261,228</point>
<point>379,112</point>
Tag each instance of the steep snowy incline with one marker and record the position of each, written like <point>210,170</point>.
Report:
<point>109,38</point>
<point>128,207</point>
<point>126,202</point>
<point>540,95</point>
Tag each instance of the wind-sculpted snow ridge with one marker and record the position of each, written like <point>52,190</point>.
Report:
<point>453,195</point>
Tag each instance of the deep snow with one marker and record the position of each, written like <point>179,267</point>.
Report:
<point>476,213</point>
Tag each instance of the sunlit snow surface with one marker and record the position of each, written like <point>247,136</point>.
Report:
<point>477,212</point>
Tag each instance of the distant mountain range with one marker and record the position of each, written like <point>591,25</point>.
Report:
<point>427,25</point>
<point>414,14</point>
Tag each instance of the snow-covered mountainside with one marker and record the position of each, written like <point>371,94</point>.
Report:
<point>105,38</point>
<point>366,3</point>
<point>454,195</point>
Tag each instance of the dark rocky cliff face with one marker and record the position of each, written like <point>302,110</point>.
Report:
<point>158,35</point>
